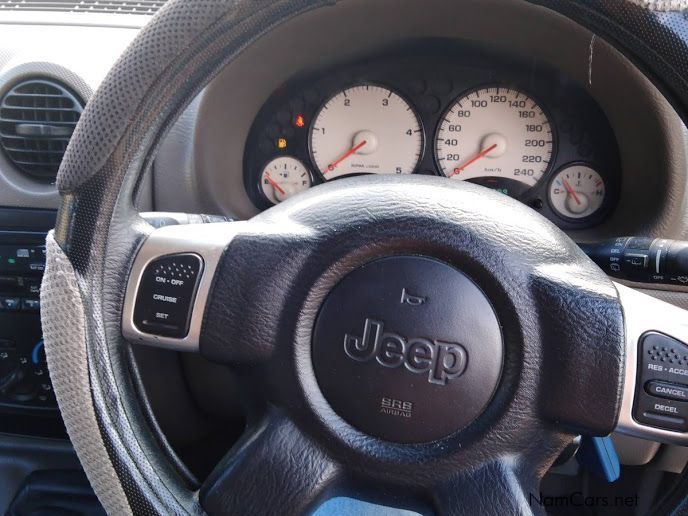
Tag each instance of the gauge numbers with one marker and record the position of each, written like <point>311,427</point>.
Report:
<point>283,177</point>
<point>495,132</point>
<point>366,130</point>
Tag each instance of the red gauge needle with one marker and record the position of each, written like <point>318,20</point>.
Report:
<point>348,153</point>
<point>571,192</point>
<point>274,184</point>
<point>481,154</point>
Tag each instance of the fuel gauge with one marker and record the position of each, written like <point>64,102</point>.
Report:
<point>283,177</point>
<point>577,191</point>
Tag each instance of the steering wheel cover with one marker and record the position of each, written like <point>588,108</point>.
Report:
<point>167,65</point>
<point>71,378</point>
<point>98,230</point>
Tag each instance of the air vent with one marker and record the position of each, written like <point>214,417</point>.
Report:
<point>37,118</point>
<point>143,7</point>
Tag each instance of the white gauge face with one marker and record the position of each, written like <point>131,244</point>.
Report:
<point>495,132</point>
<point>283,177</point>
<point>366,130</point>
<point>576,192</point>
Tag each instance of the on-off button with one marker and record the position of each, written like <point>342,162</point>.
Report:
<point>166,295</point>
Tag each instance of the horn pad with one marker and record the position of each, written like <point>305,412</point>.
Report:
<point>407,349</point>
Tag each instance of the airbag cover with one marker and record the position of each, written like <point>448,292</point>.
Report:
<point>408,349</point>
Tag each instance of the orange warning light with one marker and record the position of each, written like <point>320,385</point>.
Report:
<point>282,143</point>
<point>299,121</point>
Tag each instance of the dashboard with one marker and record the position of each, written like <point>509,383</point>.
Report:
<point>524,103</point>
<point>513,125</point>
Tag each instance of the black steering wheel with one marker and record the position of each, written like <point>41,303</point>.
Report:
<point>428,338</point>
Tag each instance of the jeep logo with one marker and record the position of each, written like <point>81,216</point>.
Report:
<point>441,360</point>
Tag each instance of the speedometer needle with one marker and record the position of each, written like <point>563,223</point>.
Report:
<point>571,192</point>
<point>348,153</point>
<point>274,184</point>
<point>481,154</point>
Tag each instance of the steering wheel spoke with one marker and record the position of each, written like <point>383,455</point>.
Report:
<point>273,468</point>
<point>655,397</point>
<point>170,283</point>
<point>502,487</point>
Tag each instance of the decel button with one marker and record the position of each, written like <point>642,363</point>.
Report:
<point>166,295</point>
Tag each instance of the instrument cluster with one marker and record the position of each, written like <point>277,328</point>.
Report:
<point>518,127</point>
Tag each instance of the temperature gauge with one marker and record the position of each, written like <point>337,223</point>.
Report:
<point>283,177</point>
<point>577,191</point>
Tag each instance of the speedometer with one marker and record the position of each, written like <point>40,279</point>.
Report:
<point>495,136</point>
<point>366,129</point>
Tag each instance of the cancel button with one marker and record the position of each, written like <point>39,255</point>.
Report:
<point>667,390</point>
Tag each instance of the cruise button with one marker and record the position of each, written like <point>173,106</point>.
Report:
<point>667,390</point>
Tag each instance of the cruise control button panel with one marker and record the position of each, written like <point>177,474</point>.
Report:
<point>662,387</point>
<point>166,294</point>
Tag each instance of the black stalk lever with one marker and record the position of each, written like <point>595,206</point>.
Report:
<point>645,260</point>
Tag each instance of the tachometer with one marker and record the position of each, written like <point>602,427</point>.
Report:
<point>366,130</point>
<point>495,132</point>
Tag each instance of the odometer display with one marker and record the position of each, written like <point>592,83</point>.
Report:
<point>495,132</point>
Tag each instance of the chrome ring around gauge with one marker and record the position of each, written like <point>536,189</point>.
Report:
<point>577,191</point>
<point>283,177</point>
<point>495,132</point>
<point>366,129</point>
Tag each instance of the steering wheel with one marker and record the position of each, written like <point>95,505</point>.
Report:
<point>415,336</point>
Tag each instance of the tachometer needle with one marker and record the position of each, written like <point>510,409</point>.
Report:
<point>481,154</point>
<point>571,192</point>
<point>348,153</point>
<point>274,184</point>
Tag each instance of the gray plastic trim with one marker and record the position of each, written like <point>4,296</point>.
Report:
<point>18,188</point>
<point>207,240</point>
<point>643,313</point>
<point>58,52</point>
